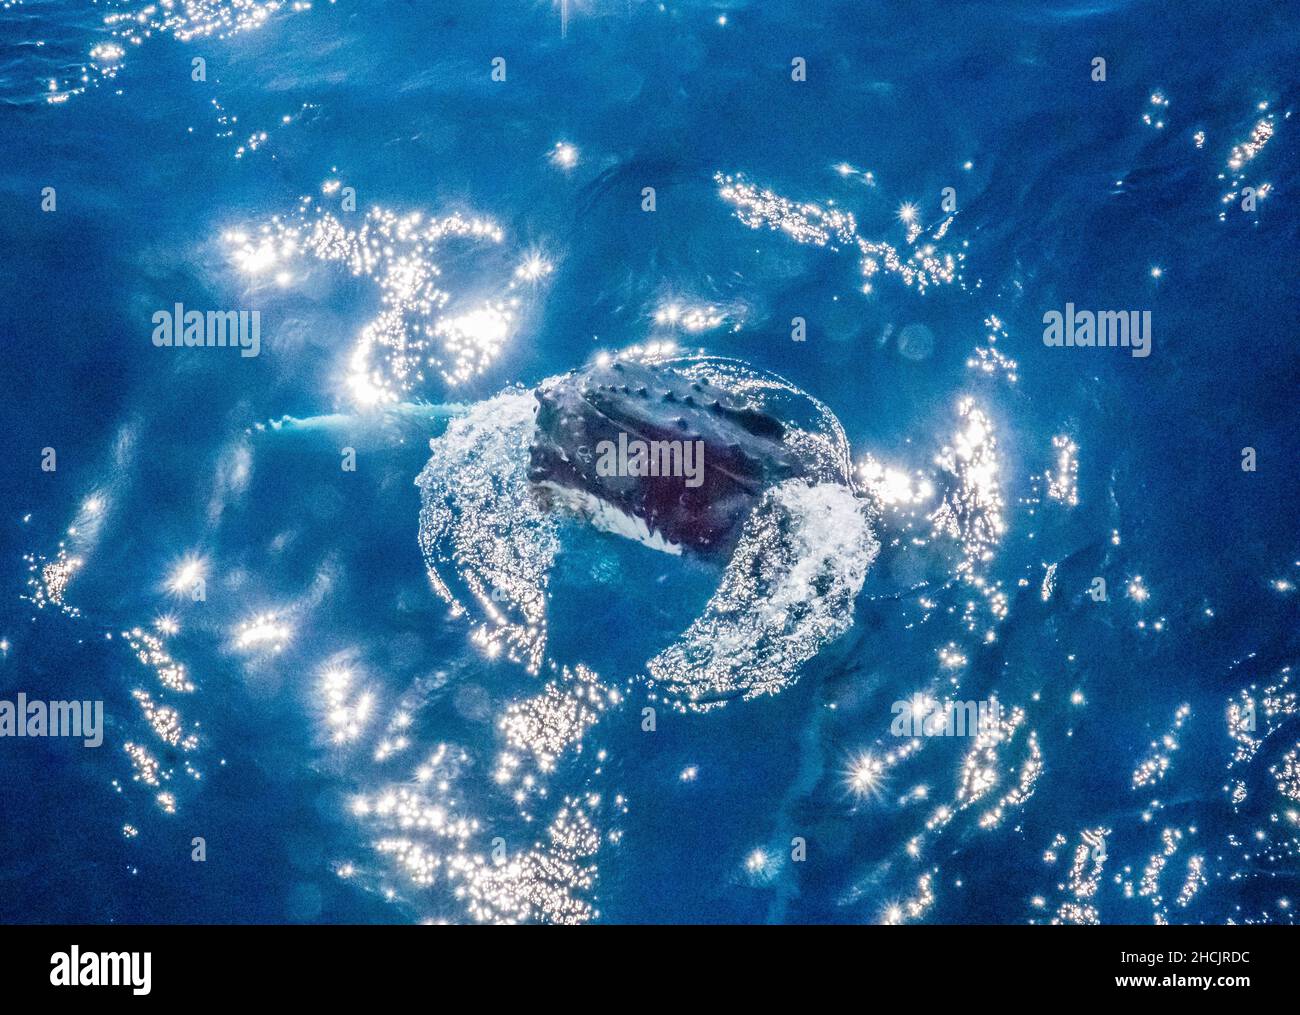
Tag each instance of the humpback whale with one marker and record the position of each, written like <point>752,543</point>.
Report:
<point>775,508</point>
<point>733,454</point>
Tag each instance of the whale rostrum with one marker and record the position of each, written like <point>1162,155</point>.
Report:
<point>648,452</point>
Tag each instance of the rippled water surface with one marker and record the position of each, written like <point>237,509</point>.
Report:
<point>414,691</point>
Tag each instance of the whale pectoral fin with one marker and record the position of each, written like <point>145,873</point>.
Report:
<point>387,426</point>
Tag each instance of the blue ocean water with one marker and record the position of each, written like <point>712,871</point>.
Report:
<point>352,746</point>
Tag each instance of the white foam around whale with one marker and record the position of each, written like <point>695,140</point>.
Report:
<point>487,542</point>
<point>788,591</point>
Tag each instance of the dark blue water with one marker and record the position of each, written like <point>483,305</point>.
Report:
<point>349,762</point>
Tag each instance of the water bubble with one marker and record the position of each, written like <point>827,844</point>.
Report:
<point>916,342</point>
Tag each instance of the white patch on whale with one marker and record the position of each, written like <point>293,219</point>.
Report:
<point>606,517</point>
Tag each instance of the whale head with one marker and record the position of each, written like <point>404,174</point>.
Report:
<point>644,451</point>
